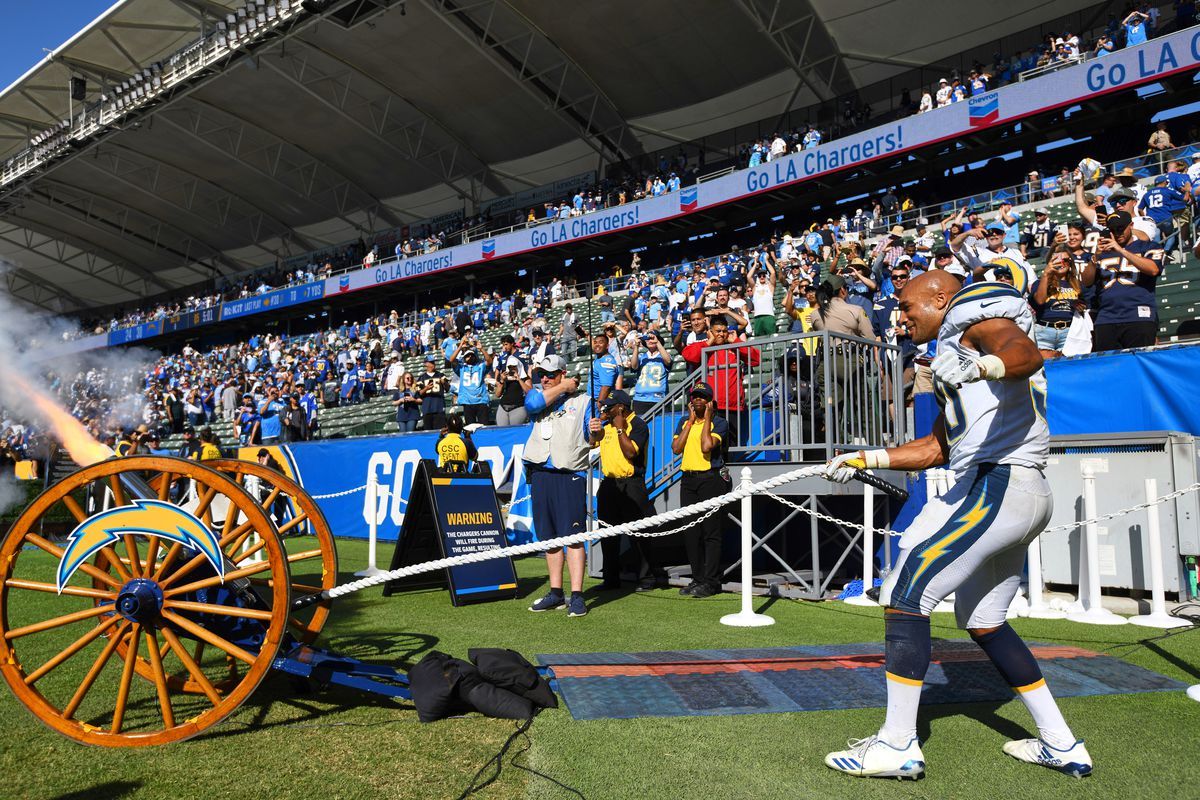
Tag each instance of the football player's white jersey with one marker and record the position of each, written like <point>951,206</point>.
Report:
<point>992,422</point>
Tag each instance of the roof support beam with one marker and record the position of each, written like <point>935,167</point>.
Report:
<point>65,201</point>
<point>284,163</point>
<point>55,250</point>
<point>52,292</point>
<point>520,50</point>
<point>794,36</point>
<point>304,75</point>
<point>126,271</point>
<point>482,168</point>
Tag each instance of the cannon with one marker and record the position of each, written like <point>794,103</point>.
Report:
<point>169,600</point>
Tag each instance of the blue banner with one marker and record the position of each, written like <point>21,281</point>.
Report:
<point>191,319</point>
<point>135,333</point>
<point>338,465</point>
<point>1143,390</point>
<point>280,298</point>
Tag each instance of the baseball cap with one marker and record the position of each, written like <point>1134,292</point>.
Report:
<point>1161,179</point>
<point>1041,212</point>
<point>616,398</point>
<point>188,429</point>
<point>551,364</point>
<point>1118,221</point>
<point>835,282</point>
<point>430,360</point>
<point>701,390</point>
<point>1121,197</point>
<point>995,226</point>
<point>942,252</point>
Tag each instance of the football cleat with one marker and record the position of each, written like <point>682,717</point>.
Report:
<point>1074,761</point>
<point>874,758</point>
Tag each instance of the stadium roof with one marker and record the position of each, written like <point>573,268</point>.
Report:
<point>387,112</point>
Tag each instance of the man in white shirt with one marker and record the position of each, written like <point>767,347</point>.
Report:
<point>1120,200</point>
<point>778,148</point>
<point>976,249</point>
<point>944,93</point>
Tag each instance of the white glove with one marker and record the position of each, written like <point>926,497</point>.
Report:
<point>841,469</point>
<point>954,369</point>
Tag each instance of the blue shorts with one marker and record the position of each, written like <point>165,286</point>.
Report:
<point>559,503</point>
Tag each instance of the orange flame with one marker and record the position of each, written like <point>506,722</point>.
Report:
<point>79,444</point>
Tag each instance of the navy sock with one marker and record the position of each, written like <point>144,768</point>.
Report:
<point>908,645</point>
<point>576,594</point>
<point>1011,656</point>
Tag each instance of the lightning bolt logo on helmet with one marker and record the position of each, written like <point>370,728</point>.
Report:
<point>145,517</point>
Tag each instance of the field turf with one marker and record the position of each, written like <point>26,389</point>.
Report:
<point>338,744</point>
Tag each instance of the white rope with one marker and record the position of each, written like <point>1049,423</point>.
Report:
<point>694,514</point>
<point>699,511</point>
<point>338,494</point>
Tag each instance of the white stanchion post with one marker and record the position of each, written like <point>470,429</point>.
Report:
<point>1158,616</point>
<point>1093,612</point>
<point>868,546</point>
<point>1037,598</point>
<point>374,491</point>
<point>747,618</point>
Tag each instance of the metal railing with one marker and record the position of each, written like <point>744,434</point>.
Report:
<point>1044,189</point>
<point>789,398</point>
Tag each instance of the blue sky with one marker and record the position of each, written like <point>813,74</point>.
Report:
<point>30,25</point>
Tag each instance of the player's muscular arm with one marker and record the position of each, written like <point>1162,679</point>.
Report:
<point>923,453</point>
<point>1003,339</point>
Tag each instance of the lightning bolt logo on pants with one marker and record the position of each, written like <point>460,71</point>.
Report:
<point>966,523</point>
<point>145,517</point>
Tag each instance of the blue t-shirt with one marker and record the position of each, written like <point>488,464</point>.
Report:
<point>246,422</point>
<point>1135,32</point>
<point>272,422</point>
<point>604,373</point>
<point>472,391</point>
<point>449,345</point>
<point>1126,294</point>
<point>651,383</point>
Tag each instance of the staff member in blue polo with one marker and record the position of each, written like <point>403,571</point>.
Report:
<point>623,439</point>
<point>700,439</point>
<point>555,456</point>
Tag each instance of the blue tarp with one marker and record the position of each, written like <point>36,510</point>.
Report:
<point>1125,391</point>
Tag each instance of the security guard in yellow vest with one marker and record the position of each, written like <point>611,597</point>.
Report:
<point>623,439</point>
<point>700,439</point>
<point>455,444</point>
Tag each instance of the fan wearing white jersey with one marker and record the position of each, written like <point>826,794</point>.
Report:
<point>972,541</point>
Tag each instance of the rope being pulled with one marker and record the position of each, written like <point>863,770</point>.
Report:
<point>700,511</point>
<point>644,527</point>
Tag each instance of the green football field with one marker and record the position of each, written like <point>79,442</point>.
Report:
<point>337,744</point>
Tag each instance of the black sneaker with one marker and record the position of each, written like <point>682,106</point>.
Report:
<point>646,585</point>
<point>551,601</point>
<point>691,587</point>
<point>704,590</point>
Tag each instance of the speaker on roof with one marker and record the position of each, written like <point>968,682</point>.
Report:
<point>315,6</point>
<point>78,88</point>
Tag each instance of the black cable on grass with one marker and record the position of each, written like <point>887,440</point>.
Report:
<point>497,763</point>
<point>1187,611</point>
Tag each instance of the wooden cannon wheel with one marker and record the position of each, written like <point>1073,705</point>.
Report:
<point>137,592</point>
<point>314,572</point>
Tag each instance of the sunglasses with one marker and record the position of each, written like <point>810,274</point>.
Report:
<point>900,276</point>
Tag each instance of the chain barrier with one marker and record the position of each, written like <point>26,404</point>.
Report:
<point>694,514</point>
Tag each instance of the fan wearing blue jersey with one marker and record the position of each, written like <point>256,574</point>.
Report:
<point>971,541</point>
<point>652,368</point>
<point>1127,271</point>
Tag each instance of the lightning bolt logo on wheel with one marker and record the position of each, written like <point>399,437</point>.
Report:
<point>145,517</point>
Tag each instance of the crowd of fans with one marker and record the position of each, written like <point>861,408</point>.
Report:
<point>1095,291</point>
